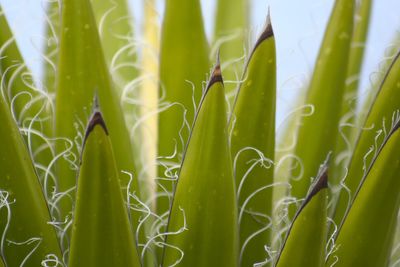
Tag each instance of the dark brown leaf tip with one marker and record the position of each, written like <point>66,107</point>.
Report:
<point>97,116</point>
<point>96,119</point>
<point>322,181</point>
<point>268,31</point>
<point>216,75</point>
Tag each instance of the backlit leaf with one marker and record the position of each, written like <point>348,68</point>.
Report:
<point>101,220</point>
<point>202,228</point>
<point>306,238</point>
<point>252,148</point>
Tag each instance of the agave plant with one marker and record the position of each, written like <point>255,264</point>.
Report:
<point>121,157</point>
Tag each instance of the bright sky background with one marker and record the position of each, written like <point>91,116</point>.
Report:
<point>298,27</point>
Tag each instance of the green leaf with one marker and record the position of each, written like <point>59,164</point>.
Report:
<point>358,44</point>
<point>252,148</point>
<point>51,46</point>
<point>115,26</point>
<point>116,30</point>
<point>284,150</point>
<point>183,66</point>
<point>346,140</point>
<point>13,70</point>
<point>24,224</point>
<point>306,239</point>
<point>30,107</point>
<point>366,235</point>
<point>101,233</point>
<point>318,133</point>
<point>82,73</point>
<point>116,34</point>
<point>202,228</point>
<point>385,63</point>
<point>380,115</point>
<point>231,23</point>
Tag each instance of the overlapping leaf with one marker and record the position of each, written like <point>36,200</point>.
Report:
<point>183,67</point>
<point>318,132</point>
<point>379,119</point>
<point>366,235</point>
<point>231,24</point>
<point>202,228</point>
<point>101,220</point>
<point>27,235</point>
<point>30,107</point>
<point>82,73</point>
<point>348,132</point>
<point>306,239</point>
<point>252,148</point>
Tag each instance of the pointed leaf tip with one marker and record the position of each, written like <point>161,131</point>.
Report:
<point>268,31</point>
<point>96,105</point>
<point>320,183</point>
<point>268,19</point>
<point>96,119</point>
<point>218,58</point>
<point>216,75</point>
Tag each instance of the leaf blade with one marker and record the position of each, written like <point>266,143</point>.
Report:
<point>82,74</point>
<point>28,204</point>
<point>183,64</point>
<point>101,220</point>
<point>366,235</point>
<point>253,126</point>
<point>205,191</point>
<point>31,107</point>
<point>380,114</point>
<point>318,132</point>
<point>231,23</point>
<point>306,238</point>
<point>348,114</point>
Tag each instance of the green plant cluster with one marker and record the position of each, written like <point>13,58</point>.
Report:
<point>124,157</point>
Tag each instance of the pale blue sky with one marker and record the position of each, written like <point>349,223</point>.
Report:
<point>298,27</point>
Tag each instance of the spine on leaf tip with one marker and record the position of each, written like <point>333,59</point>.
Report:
<point>96,119</point>
<point>267,33</point>
<point>321,183</point>
<point>216,75</point>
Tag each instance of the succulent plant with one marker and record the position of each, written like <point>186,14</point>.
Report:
<point>121,157</point>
